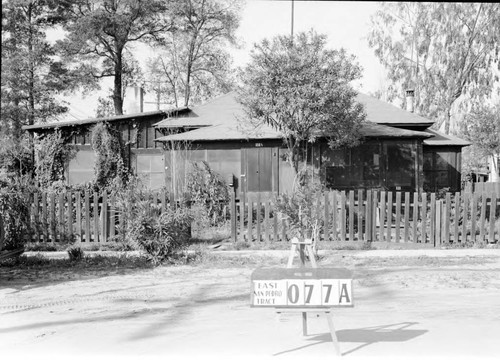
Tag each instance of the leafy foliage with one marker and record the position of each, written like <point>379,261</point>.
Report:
<point>161,236</point>
<point>444,51</point>
<point>99,33</point>
<point>15,158</point>
<point>208,189</point>
<point>76,254</point>
<point>301,208</point>
<point>482,127</point>
<point>53,153</point>
<point>302,89</point>
<point>193,64</point>
<point>31,73</point>
<point>14,207</point>
<point>105,107</point>
<point>111,165</point>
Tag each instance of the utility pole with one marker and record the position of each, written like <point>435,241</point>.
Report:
<point>292,18</point>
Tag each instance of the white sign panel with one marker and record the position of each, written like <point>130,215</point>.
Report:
<point>302,293</point>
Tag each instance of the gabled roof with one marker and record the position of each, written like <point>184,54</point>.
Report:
<point>228,132</point>
<point>225,109</point>
<point>137,116</point>
<point>224,132</point>
<point>221,110</point>
<point>440,139</point>
<point>381,112</point>
<point>372,130</point>
<point>220,119</point>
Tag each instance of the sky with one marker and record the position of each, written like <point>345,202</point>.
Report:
<point>345,23</point>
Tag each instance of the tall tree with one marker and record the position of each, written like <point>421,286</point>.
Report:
<point>482,127</point>
<point>99,32</point>
<point>445,51</point>
<point>302,89</point>
<point>194,64</point>
<point>31,74</point>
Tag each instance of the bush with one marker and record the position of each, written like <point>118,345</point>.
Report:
<point>15,210</point>
<point>207,188</point>
<point>76,254</point>
<point>301,209</point>
<point>161,236</point>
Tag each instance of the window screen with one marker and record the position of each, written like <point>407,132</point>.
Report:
<point>150,169</point>
<point>353,168</point>
<point>81,167</point>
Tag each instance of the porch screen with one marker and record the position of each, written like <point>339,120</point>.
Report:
<point>437,170</point>
<point>353,168</point>
<point>400,166</point>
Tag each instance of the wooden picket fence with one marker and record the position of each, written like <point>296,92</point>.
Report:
<point>346,216</point>
<point>81,216</point>
<point>379,216</point>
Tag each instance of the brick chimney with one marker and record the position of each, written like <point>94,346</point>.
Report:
<point>410,95</point>
<point>134,100</point>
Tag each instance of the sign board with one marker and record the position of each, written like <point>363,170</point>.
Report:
<point>302,288</point>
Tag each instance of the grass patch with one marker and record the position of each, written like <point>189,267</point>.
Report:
<point>96,261</point>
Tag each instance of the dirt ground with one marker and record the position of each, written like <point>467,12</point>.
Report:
<point>432,304</point>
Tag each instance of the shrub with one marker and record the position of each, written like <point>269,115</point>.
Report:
<point>111,165</point>
<point>301,209</point>
<point>15,210</point>
<point>161,236</point>
<point>76,254</point>
<point>53,154</point>
<point>208,188</point>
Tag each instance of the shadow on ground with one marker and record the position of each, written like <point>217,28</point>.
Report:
<point>366,336</point>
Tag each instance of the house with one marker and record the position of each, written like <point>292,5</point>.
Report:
<point>145,155</point>
<point>399,151</point>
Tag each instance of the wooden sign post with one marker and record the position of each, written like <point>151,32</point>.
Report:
<point>303,289</point>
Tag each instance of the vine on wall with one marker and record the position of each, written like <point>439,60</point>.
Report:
<point>53,153</point>
<point>111,166</point>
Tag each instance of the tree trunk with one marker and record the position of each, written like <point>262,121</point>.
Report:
<point>447,120</point>
<point>31,86</point>
<point>187,92</point>
<point>494,175</point>
<point>117,91</point>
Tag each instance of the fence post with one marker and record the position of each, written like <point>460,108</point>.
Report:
<point>465,216</point>
<point>382,215</point>
<point>456,218</point>
<point>360,215</point>
<point>87,217</point>
<point>1,232</point>
<point>397,235</point>
<point>406,229</point>
<point>104,216</point>
<point>432,225</point>
<point>482,218</point>
<point>437,226</point>
<point>493,206</point>
<point>96,217</point>
<point>369,216</point>
<point>233,216</point>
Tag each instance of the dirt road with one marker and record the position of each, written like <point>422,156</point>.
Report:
<point>425,306</point>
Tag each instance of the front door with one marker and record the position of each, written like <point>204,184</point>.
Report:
<point>259,170</point>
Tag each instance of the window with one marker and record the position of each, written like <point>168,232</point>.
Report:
<point>150,169</point>
<point>81,167</point>
<point>437,168</point>
<point>400,166</point>
<point>353,168</point>
<point>226,162</point>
